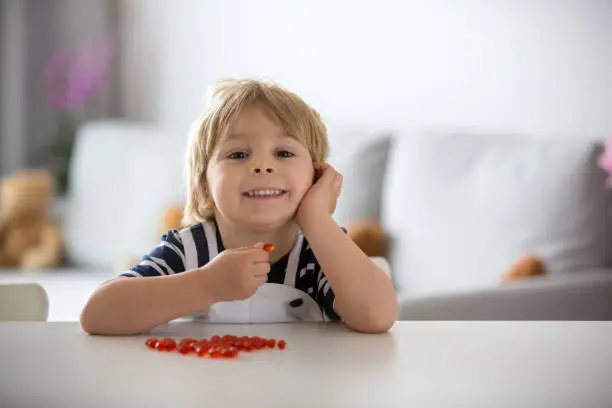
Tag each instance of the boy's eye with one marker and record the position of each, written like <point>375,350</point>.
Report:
<point>284,154</point>
<point>237,155</point>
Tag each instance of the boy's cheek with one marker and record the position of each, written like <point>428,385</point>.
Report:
<point>301,193</point>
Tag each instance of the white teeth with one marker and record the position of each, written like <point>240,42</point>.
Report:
<point>259,193</point>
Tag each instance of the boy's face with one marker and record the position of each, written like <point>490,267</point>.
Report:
<point>257,174</point>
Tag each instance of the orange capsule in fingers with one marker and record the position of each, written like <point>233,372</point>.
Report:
<point>268,247</point>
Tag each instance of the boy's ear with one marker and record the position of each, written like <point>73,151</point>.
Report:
<point>316,175</point>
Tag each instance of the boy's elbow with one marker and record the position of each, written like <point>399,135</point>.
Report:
<point>370,327</point>
<point>374,323</point>
<point>86,320</point>
<point>382,319</point>
<point>91,320</point>
<point>87,329</point>
<point>380,325</point>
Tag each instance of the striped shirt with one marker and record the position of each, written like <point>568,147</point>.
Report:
<point>195,246</point>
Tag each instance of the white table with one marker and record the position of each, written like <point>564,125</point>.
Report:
<point>516,364</point>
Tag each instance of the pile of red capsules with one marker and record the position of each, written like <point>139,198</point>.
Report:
<point>227,346</point>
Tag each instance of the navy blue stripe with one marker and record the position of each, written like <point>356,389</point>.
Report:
<point>145,270</point>
<point>278,270</point>
<point>327,302</point>
<point>167,271</point>
<point>199,237</point>
<point>127,275</point>
<point>309,280</point>
<point>173,237</point>
<point>220,246</point>
<point>168,255</point>
<point>173,260</point>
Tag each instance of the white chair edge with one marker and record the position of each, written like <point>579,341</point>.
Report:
<point>23,302</point>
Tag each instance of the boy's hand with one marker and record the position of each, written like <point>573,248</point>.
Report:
<point>237,273</point>
<point>320,200</point>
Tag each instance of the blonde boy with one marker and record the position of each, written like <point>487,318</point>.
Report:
<point>256,174</point>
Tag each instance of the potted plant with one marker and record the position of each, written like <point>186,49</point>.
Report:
<point>73,80</point>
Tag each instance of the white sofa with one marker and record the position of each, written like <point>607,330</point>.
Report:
<point>459,209</point>
<point>462,207</point>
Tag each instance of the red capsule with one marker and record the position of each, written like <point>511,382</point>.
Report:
<point>151,342</point>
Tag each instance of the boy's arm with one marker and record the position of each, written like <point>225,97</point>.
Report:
<point>126,306</point>
<point>365,297</point>
<point>153,292</point>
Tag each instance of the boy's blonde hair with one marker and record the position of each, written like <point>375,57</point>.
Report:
<point>228,100</point>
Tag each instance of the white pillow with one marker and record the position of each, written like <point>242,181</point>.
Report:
<point>122,177</point>
<point>461,209</point>
<point>360,154</point>
<point>363,174</point>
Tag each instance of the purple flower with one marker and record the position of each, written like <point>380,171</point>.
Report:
<point>71,79</point>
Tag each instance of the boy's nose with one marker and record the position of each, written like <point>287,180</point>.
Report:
<point>263,170</point>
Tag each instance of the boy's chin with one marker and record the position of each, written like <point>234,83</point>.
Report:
<point>267,222</point>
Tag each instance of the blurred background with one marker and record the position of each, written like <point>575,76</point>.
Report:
<point>538,67</point>
<point>59,67</point>
<point>128,77</point>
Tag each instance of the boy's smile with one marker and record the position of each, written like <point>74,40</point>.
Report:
<point>264,193</point>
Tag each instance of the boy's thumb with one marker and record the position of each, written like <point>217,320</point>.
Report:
<point>260,245</point>
<point>265,246</point>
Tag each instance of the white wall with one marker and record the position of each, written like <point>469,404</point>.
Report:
<point>532,66</point>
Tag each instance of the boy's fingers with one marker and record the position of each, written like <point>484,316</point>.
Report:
<point>257,246</point>
<point>327,173</point>
<point>260,257</point>
<point>321,168</point>
<point>338,183</point>
<point>268,247</point>
<point>260,280</point>
<point>259,253</point>
<point>261,270</point>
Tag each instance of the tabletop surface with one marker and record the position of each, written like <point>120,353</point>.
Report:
<point>518,364</point>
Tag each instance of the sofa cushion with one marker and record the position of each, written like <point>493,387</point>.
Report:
<point>578,296</point>
<point>122,177</point>
<point>461,208</point>
<point>363,177</point>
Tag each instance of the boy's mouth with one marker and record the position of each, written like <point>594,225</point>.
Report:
<point>264,193</point>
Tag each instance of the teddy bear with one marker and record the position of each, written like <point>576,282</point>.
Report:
<point>172,218</point>
<point>528,266</point>
<point>29,237</point>
<point>369,236</point>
